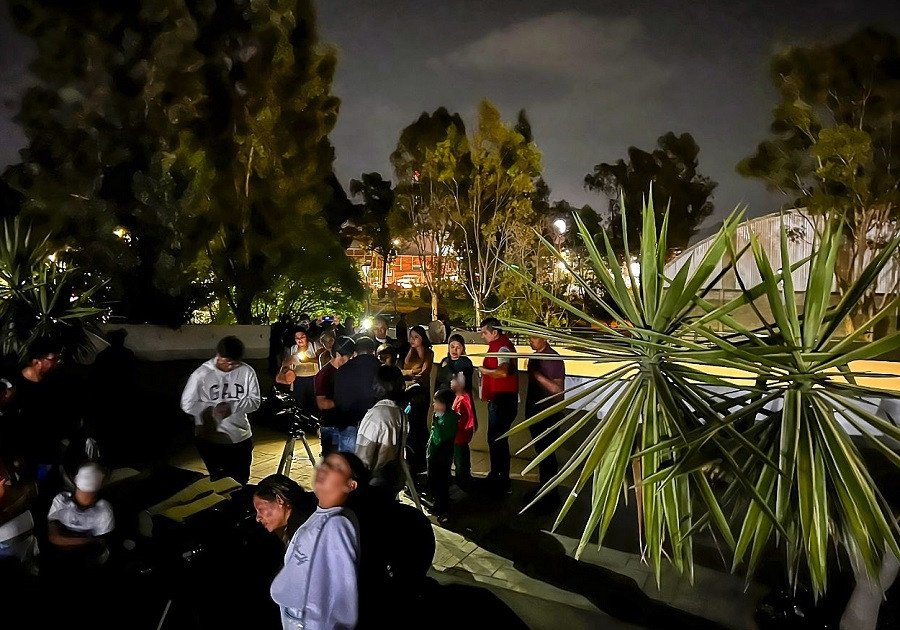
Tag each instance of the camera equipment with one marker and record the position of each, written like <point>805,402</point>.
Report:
<point>299,422</point>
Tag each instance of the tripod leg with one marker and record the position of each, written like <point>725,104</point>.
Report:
<point>287,455</point>
<point>312,458</point>
<point>410,485</point>
<point>162,619</point>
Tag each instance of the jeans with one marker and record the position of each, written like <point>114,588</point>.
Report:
<point>334,439</point>
<point>502,412</point>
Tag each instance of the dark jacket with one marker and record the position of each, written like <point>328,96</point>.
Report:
<point>354,391</point>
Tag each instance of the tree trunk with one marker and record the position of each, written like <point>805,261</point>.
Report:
<point>243,311</point>
<point>434,304</point>
<point>479,309</point>
<point>384,266</point>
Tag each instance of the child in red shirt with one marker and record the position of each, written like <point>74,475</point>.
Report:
<point>468,424</point>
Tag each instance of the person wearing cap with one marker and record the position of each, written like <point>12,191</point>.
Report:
<point>219,395</point>
<point>330,429</point>
<point>78,520</point>
<point>354,391</point>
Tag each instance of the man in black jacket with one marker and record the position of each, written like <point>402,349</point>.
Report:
<point>354,392</point>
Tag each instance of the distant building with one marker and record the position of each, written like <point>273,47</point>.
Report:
<point>801,227</point>
<point>404,270</point>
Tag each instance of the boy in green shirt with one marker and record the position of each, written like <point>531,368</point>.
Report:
<point>444,425</point>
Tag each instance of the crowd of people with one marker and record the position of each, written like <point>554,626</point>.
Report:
<point>392,420</point>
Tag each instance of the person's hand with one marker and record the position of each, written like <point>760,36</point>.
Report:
<point>221,411</point>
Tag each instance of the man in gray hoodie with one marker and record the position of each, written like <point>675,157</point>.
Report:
<point>219,395</point>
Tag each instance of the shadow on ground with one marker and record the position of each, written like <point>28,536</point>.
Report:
<point>493,522</point>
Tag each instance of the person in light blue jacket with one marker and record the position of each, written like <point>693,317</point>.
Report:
<point>317,588</point>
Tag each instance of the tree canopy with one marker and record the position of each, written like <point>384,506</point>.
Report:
<point>834,148</point>
<point>180,147</point>
<point>672,171</point>
<point>489,176</point>
<point>421,211</point>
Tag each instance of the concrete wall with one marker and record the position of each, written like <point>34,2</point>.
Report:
<point>159,343</point>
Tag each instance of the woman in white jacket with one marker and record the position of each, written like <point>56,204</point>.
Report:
<point>318,587</point>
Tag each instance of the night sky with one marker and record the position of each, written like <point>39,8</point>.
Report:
<point>594,77</point>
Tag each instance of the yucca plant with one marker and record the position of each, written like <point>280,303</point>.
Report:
<point>670,413</point>
<point>820,491</point>
<point>40,297</point>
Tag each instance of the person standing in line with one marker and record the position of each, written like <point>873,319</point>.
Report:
<point>454,363</point>
<point>380,331</point>
<point>468,424</point>
<point>219,395</point>
<point>304,363</point>
<point>332,426</point>
<point>381,439</point>
<point>444,427</point>
<point>546,383</point>
<point>500,389</point>
<point>326,347</point>
<point>354,391</point>
<point>417,372</point>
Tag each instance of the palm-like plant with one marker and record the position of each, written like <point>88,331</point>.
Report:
<point>40,297</point>
<point>670,411</point>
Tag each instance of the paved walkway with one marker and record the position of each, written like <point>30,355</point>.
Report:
<point>487,543</point>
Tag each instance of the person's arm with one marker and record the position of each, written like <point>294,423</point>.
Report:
<point>190,399</point>
<point>324,403</point>
<point>324,398</point>
<point>551,386</point>
<point>424,372</point>
<point>502,368</point>
<point>407,373</point>
<point>333,596</point>
<point>252,399</point>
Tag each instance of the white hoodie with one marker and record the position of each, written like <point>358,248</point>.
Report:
<point>209,386</point>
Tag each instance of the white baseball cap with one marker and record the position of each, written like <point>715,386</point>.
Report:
<point>89,478</point>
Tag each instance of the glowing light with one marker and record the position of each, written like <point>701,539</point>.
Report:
<point>52,257</point>
<point>367,323</point>
<point>561,226</point>
<point>396,242</point>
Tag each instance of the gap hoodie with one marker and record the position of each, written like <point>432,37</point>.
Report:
<point>208,386</point>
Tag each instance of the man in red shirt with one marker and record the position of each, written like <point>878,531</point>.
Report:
<point>500,389</point>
